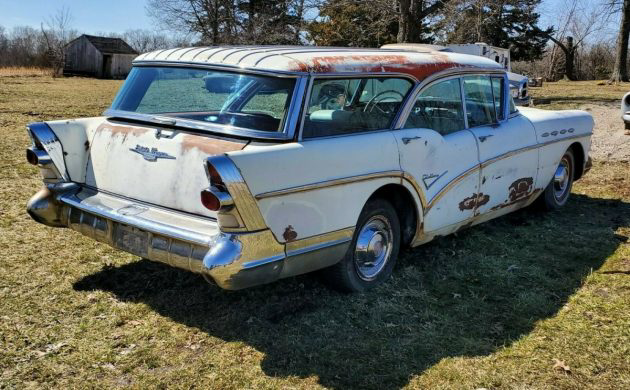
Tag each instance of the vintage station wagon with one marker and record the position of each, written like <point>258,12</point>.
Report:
<point>251,164</point>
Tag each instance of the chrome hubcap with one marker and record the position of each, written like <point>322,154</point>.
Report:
<point>561,180</point>
<point>373,248</point>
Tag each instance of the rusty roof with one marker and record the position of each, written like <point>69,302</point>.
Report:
<point>416,63</point>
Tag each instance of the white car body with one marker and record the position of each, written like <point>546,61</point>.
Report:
<point>289,204</point>
<point>625,110</point>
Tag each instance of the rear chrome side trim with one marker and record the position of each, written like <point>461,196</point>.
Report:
<point>45,139</point>
<point>245,204</point>
<point>328,183</point>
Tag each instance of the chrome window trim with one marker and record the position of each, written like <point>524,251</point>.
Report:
<point>354,75</point>
<point>463,101</point>
<point>417,92</point>
<point>223,67</point>
<point>346,135</point>
<point>492,124</point>
<point>288,124</point>
<point>446,73</point>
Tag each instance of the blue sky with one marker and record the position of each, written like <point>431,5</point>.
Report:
<point>102,16</point>
<point>89,16</point>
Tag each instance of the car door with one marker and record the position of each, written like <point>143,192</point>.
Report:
<point>345,152</point>
<point>507,145</point>
<point>441,155</point>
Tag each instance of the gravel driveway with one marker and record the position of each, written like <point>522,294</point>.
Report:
<point>609,140</point>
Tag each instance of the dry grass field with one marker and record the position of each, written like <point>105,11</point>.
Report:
<point>529,301</point>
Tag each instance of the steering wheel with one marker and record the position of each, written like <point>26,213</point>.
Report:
<point>375,100</point>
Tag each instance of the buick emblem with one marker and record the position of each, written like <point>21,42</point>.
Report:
<point>151,154</point>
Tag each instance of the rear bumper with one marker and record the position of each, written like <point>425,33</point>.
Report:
<point>232,260</point>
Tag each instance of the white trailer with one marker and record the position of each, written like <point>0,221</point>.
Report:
<point>496,54</point>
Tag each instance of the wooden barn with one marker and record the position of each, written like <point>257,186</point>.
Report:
<point>101,57</point>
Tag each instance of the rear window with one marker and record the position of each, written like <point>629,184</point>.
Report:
<point>223,98</point>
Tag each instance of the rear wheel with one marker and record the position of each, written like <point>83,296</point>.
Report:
<point>557,192</point>
<point>373,251</point>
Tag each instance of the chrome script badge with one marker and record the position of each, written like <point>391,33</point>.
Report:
<point>151,154</point>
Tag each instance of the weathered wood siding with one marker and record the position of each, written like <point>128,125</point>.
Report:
<point>83,58</point>
<point>121,65</point>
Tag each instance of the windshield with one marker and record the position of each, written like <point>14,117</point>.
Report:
<point>216,97</point>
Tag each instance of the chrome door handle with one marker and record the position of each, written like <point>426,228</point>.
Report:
<point>406,140</point>
<point>482,138</point>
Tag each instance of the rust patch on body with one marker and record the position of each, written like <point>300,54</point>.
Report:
<point>525,199</point>
<point>375,63</point>
<point>122,130</point>
<point>289,234</point>
<point>473,201</point>
<point>463,227</point>
<point>210,145</point>
<point>520,188</point>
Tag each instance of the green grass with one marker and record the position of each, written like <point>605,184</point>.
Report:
<point>490,307</point>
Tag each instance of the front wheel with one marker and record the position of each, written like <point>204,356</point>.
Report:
<point>557,192</point>
<point>373,251</point>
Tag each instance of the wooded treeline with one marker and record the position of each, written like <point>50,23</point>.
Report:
<point>573,48</point>
<point>27,46</point>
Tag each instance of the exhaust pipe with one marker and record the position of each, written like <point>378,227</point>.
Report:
<point>38,157</point>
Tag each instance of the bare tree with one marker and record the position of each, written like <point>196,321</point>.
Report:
<point>57,34</point>
<point>581,20</point>
<point>620,70</point>
<point>144,41</point>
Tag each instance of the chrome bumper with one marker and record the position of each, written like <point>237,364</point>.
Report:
<point>232,260</point>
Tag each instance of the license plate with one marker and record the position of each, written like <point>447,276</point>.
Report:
<point>132,240</point>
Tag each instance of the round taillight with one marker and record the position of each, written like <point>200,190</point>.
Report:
<point>210,200</point>
<point>31,157</point>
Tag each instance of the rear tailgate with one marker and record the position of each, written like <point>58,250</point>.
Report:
<point>160,166</point>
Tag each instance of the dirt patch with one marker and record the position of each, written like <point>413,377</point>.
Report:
<point>609,143</point>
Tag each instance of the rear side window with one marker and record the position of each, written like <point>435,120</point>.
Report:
<point>498,92</point>
<point>352,105</point>
<point>438,107</point>
<point>479,101</point>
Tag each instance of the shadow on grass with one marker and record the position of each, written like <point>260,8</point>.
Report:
<point>578,99</point>
<point>464,295</point>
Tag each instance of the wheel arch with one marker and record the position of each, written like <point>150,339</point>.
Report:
<point>406,206</point>
<point>580,158</point>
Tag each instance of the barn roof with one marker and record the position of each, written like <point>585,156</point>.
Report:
<point>108,45</point>
<point>416,63</point>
